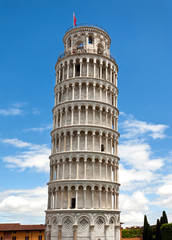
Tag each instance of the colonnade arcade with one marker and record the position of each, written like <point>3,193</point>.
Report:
<point>84,140</point>
<point>91,196</point>
<point>82,167</point>
<point>95,67</point>
<point>83,89</point>
<point>85,113</point>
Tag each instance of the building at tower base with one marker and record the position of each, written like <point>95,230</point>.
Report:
<point>83,189</point>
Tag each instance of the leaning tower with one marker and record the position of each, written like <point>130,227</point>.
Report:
<point>83,189</point>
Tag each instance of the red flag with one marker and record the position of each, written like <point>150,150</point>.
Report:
<point>74,20</point>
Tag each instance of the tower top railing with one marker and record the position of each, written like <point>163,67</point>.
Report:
<point>86,25</point>
<point>76,51</point>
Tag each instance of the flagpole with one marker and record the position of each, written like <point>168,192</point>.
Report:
<point>73,19</point>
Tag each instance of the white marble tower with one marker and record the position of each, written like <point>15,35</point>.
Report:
<point>83,190</point>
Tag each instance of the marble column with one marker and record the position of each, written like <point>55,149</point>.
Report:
<point>94,91</point>
<point>85,169</point>
<point>73,91</point>
<point>87,85</point>
<point>62,199</point>
<point>79,115</point>
<point>94,69</point>
<point>78,134</point>
<point>67,70</point>
<point>80,88</point>
<point>91,232</point>
<point>76,196</point>
<point>86,141</point>
<point>70,162</point>
<point>100,198</point>
<point>84,198</point>
<point>92,198</point>
<point>77,168</point>
<point>106,198</point>
<point>93,140</point>
<point>68,195</point>
<point>74,69</point>
<point>117,200</point>
<point>71,138</point>
<point>94,114</point>
<point>101,70</point>
<point>80,67</point>
<point>93,162</point>
<point>72,115</point>
<point>87,67</point>
<point>75,227</point>
<point>86,115</point>
<point>64,148</point>
<point>59,232</point>
<point>57,177</point>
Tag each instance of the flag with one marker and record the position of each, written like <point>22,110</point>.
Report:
<point>74,20</point>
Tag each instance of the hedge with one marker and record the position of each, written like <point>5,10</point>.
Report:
<point>130,233</point>
<point>166,231</point>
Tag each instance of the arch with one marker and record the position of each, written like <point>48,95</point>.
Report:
<point>83,222</point>
<point>80,197</point>
<point>100,48</point>
<point>112,221</point>
<point>71,68</point>
<point>79,44</point>
<point>54,221</point>
<point>84,67</point>
<point>88,197</point>
<point>69,42</point>
<point>67,222</point>
<point>90,39</point>
<point>77,68</point>
<point>99,221</point>
<point>91,67</point>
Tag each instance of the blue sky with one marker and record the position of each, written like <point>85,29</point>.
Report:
<point>31,40</point>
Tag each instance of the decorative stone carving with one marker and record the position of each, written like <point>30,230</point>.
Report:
<point>67,221</point>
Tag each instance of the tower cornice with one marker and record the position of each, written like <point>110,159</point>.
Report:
<point>86,29</point>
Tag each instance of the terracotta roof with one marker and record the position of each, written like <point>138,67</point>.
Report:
<point>19,227</point>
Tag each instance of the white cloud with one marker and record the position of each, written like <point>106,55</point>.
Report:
<point>39,129</point>
<point>35,157</point>
<point>135,128</point>
<point>138,165</point>
<point>138,155</point>
<point>14,110</point>
<point>132,178</point>
<point>164,192</point>
<point>23,203</point>
<point>133,208</point>
<point>166,189</point>
<point>35,111</point>
<point>16,142</point>
<point>136,202</point>
<point>132,218</point>
<point>140,168</point>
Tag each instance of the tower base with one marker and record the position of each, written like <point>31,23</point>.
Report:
<point>83,226</point>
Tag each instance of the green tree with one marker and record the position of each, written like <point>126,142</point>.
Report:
<point>146,229</point>
<point>161,220</point>
<point>150,233</point>
<point>166,230</point>
<point>164,217</point>
<point>158,231</point>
